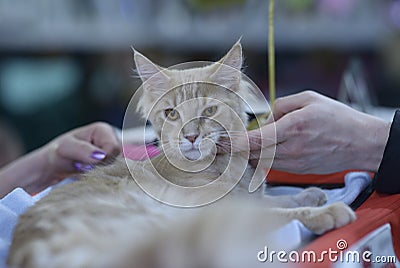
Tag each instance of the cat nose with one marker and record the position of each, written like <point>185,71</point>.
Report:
<point>191,138</point>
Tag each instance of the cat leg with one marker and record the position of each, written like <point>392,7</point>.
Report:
<point>310,197</point>
<point>319,219</point>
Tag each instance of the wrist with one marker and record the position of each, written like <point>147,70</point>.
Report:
<point>375,137</point>
<point>23,173</point>
<point>33,169</point>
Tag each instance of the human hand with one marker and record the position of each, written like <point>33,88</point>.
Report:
<point>74,151</point>
<point>316,134</point>
<point>77,151</point>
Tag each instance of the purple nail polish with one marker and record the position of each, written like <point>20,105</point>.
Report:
<point>78,166</point>
<point>88,167</point>
<point>98,155</point>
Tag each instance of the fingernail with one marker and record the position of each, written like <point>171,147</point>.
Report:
<point>98,155</point>
<point>88,167</point>
<point>78,166</point>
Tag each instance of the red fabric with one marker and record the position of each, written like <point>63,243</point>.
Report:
<point>280,177</point>
<point>376,211</point>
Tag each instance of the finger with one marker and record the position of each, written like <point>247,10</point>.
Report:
<point>286,166</point>
<point>270,119</point>
<point>264,153</point>
<point>80,151</point>
<point>264,163</point>
<point>255,139</point>
<point>102,136</point>
<point>291,103</point>
<point>255,155</point>
<point>254,162</point>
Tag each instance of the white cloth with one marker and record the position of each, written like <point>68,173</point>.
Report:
<point>354,184</point>
<point>11,206</point>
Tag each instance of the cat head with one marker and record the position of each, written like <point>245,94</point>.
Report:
<point>192,109</point>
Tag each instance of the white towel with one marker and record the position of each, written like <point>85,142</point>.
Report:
<point>11,206</point>
<point>354,184</point>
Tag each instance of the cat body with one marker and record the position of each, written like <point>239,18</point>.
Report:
<point>129,213</point>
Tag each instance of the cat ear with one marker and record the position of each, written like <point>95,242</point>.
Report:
<point>152,75</point>
<point>228,73</point>
<point>234,57</point>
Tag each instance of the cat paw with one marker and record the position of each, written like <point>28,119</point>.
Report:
<point>310,197</point>
<point>323,219</point>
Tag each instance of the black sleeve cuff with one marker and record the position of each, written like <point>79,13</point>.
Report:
<point>387,179</point>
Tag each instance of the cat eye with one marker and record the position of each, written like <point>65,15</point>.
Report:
<point>171,114</point>
<point>210,111</point>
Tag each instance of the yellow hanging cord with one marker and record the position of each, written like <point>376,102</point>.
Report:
<point>258,121</point>
<point>271,55</point>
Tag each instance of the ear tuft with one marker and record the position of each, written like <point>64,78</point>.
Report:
<point>234,57</point>
<point>228,73</point>
<point>145,67</point>
<point>154,77</point>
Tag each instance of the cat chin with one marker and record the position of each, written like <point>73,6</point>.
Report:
<point>193,154</point>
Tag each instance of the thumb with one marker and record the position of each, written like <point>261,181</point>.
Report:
<point>285,105</point>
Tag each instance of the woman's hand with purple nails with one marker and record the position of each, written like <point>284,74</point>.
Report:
<point>75,151</point>
<point>87,145</point>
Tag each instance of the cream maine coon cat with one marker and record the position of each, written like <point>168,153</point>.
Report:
<point>106,220</point>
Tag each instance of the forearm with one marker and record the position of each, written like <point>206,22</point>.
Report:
<point>23,172</point>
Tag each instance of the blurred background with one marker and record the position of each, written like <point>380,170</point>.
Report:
<point>64,63</point>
